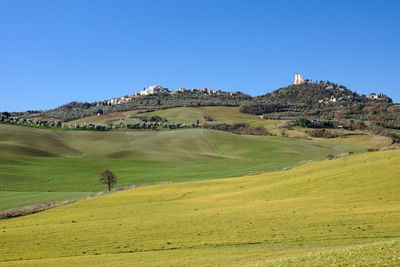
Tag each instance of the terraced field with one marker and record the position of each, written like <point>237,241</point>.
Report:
<point>61,163</point>
<point>343,211</point>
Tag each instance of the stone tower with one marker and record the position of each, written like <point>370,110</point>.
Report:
<point>298,79</point>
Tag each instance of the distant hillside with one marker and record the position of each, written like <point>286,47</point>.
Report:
<point>156,101</point>
<point>315,93</point>
<point>319,100</point>
<point>325,101</point>
<point>43,165</point>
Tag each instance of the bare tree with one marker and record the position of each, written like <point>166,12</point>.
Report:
<point>108,178</point>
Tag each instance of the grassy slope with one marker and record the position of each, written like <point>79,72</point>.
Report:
<point>281,217</point>
<point>222,114</point>
<point>232,114</point>
<point>191,115</point>
<point>384,253</point>
<point>367,140</point>
<point>104,119</point>
<point>182,115</point>
<point>21,199</point>
<point>37,160</point>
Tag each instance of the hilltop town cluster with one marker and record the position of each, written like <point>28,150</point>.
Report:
<point>298,79</point>
<point>157,89</point>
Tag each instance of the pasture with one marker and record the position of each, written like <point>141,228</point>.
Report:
<point>189,115</point>
<point>321,213</point>
<point>221,114</point>
<point>58,161</point>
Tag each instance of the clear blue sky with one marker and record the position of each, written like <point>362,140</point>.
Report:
<point>54,52</point>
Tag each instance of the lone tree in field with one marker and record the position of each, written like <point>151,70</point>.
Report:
<point>108,178</point>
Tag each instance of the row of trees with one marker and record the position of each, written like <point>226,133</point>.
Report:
<point>338,124</point>
<point>238,128</point>
<point>145,124</point>
<point>30,122</point>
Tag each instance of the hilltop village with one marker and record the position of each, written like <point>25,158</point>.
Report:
<point>158,89</point>
<point>315,100</point>
<point>299,81</point>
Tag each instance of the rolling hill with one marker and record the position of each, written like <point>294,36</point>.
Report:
<point>320,213</point>
<point>219,114</point>
<point>314,93</point>
<point>57,163</point>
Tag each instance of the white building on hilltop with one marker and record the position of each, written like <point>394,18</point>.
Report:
<point>298,79</point>
<point>155,89</point>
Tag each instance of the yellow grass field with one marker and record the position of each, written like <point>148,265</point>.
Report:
<point>367,140</point>
<point>320,213</point>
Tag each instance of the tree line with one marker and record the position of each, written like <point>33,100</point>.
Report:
<point>39,123</point>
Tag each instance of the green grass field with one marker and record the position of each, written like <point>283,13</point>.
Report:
<point>104,119</point>
<point>182,114</point>
<point>15,199</point>
<point>67,163</point>
<point>367,140</point>
<point>344,211</point>
<point>219,114</point>
<point>222,114</point>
